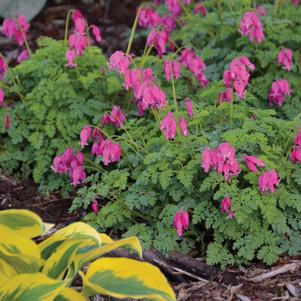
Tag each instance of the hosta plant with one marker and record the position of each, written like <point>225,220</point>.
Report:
<point>45,271</point>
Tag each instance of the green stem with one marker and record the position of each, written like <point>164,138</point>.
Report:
<point>67,26</point>
<point>10,89</point>
<point>146,55</point>
<point>128,50</point>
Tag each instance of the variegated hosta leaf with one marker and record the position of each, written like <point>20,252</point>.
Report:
<point>126,278</point>
<point>18,251</point>
<point>105,239</point>
<point>6,272</point>
<point>31,287</point>
<point>131,243</point>
<point>68,294</point>
<point>57,264</point>
<point>74,231</point>
<point>22,221</point>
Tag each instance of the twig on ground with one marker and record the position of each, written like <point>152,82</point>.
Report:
<point>291,267</point>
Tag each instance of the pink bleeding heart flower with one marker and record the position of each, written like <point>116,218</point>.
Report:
<point>252,163</point>
<point>183,127</point>
<point>70,57</point>
<point>172,69</point>
<point>279,90</point>
<point>195,64</point>
<point>85,135</point>
<point>296,2</point>
<point>226,207</point>
<point>168,126</point>
<point>16,29</point>
<point>285,58</point>
<point>173,6</point>
<point>3,67</point>
<point>23,56</point>
<point>148,18</point>
<point>226,96</point>
<point>159,40</point>
<point>77,42</point>
<point>296,155</point>
<point>110,151</point>
<point>117,117</point>
<point>251,26</point>
<point>2,94</point>
<point>189,107</point>
<point>200,9</point>
<point>181,222</point>
<point>268,181</point>
<point>222,159</point>
<point>168,23</point>
<point>79,21</point>
<point>237,76</point>
<point>120,62</point>
<point>260,11</point>
<point>96,33</point>
<point>6,121</point>
<point>95,207</point>
<point>209,159</point>
<point>61,163</point>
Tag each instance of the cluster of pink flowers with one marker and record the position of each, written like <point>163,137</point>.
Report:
<point>251,26</point>
<point>168,126</point>
<point>78,40</point>
<point>237,77</point>
<point>106,148</point>
<point>222,159</point>
<point>195,64</point>
<point>72,164</point>
<point>116,118</point>
<point>119,62</point>
<point>142,81</point>
<point>159,40</point>
<point>226,207</point>
<point>285,58</point>
<point>181,222</point>
<point>200,9</point>
<point>172,69</point>
<point>189,107</point>
<point>149,18</point>
<point>296,2</point>
<point>268,181</point>
<point>296,151</point>
<point>279,90</point>
<point>16,29</point>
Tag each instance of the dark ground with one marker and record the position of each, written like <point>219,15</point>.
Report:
<point>115,27</point>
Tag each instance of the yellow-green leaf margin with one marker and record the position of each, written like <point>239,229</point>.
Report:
<point>126,278</point>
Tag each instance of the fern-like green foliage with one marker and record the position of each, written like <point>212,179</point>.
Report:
<point>155,178</point>
<point>57,102</point>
